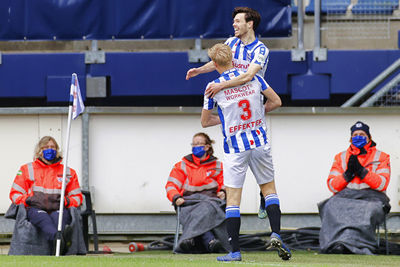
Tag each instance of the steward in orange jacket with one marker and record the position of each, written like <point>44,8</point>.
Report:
<point>192,175</point>
<point>358,179</point>
<point>39,185</point>
<point>198,179</point>
<point>361,166</point>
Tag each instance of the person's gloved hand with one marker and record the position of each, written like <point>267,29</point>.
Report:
<point>350,172</point>
<point>351,163</point>
<point>348,175</point>
<point>359,170</point>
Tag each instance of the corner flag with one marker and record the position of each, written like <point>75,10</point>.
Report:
<point>75,97</point>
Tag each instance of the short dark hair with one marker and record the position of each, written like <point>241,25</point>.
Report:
<point>250,15</point>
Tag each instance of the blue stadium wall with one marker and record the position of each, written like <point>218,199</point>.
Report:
<point>135,19</point>
<point>158,78</point>
<point>45,77</point>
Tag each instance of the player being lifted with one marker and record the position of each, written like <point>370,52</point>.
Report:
<point>242,115</point>
<point>249,55</point>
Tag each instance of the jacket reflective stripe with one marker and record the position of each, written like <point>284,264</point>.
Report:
<point>78,200</point>
<point>382,185</point>
<point>15,196</point>
<point>357,186</point>
<point>18,188</point>
<point>169,188</point>
<point>46,190</point>
<point>344,163</point>
<point>218,168</point>
<point>331,187</point>
<point>192,188</point>
<point>175,181</point>
<point>183,167</point>
<point>75,192</point>
<point>376,161</point>
<point>384,170</point>
<point>334,173</point>
<point>30,172</point>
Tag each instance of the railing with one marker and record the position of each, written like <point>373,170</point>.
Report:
<point>374,84</point>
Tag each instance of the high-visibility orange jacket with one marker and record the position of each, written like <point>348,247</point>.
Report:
<point>39,185</point>
<point>376,162</point>
<point>191,176</point>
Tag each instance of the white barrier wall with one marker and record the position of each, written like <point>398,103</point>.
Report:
<point>131,155</point>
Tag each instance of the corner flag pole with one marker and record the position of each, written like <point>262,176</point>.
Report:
<point>75,108</point>
<point>61,210</point>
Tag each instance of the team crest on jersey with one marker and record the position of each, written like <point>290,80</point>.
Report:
<point>260,58</point>
<point>19,172</point>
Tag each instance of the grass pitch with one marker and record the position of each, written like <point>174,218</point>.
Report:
<point>166,258</point>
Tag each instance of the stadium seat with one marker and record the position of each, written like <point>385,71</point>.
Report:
<point>378,239</point>
<point>366,7</point>
<point>329,7</point>
<point>85,213</point>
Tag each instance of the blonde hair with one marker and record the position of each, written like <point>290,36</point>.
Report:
<point>42,143</point>
<point>221,54</point>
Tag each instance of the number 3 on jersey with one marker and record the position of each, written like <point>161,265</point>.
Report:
<point>245,105</point>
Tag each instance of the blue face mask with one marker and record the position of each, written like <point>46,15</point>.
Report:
<point>198,151</point>
<point>359,141</point>
<point>49,154</point>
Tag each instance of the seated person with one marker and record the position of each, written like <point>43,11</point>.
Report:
<point>196,184</point>
<point>37,186</point>
<point>358,179</point>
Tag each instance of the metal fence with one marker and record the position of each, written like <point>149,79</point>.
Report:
<point>391,97</point>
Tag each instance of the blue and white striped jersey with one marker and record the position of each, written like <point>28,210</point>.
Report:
<point>241,111</point>
<point>243,55</point>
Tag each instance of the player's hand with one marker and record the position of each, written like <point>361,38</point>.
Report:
<point>221,195</point>
<point>192,73</point>
<point>213,89</point>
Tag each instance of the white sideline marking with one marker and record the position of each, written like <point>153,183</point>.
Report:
<point>262,264</point>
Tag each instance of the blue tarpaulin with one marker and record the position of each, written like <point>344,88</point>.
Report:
<point>127,19</point>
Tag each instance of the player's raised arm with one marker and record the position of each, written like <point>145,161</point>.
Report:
<point>208,67</point>
<point>236,81</point>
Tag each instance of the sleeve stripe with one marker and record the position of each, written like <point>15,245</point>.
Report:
<point>175,181</point>
<point>344,163</point>
<point>169,188</point>
<point>77,200</point>
<point>263,83</point>
<point>30,172</point>
<point>183,167</point>
<point>331,187</point>
<point>75,192</point>
<point>383,183</point>
<point>19,188</point>
<point>15,196</point>
<point>385,170</point>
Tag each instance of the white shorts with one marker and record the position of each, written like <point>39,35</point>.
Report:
<point>260,161</point>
